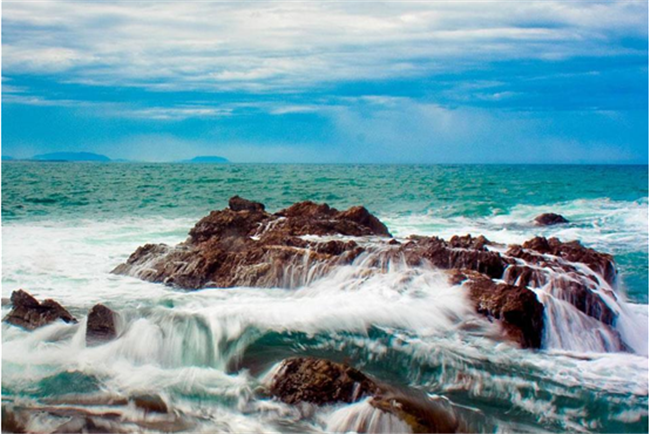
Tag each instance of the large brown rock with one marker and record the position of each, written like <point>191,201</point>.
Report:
<point>318,381</point>
<point>322,382</point>
<point>244,245</point>
<point>100,325</point>
<point>457,253</point>
<point>309,218</point>
<point>572,251</point>
<point>520,313</point>
<point>558,266</point>
<point>29,314</point>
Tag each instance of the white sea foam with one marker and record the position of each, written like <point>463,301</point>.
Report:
<point>181,343</point>
<point>363,417</point>
<point>599,223</point>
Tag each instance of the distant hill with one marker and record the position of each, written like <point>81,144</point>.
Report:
<point>206,159</point>
<point>71,156</point>
<point>7,158</point>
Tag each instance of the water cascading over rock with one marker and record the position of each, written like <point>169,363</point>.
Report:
<point>244,245</point>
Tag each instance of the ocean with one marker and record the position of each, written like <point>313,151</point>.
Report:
<point>67,225</point>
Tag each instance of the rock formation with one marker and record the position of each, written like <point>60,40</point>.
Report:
<point>150,403</point>
<point>244,245</point>
<point>549,219</point>
<point>29,314</point>
<point>101,325</point>
<point>319,382</point>
<point>322,382</point>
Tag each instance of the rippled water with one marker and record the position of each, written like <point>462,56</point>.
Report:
<point>66,225</point>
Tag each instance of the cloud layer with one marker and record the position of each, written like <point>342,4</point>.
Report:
<point>422,73</point>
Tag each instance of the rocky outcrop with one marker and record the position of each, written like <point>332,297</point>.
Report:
<point>322,382</point>
<point>516,307</point>
<point>11,421</point>
<point>237,203</point>
<point>101,325</point>
<point>150,403</point>
<point>319,382</point>
<point>550,219</point>
<point>244,245</point>
<point>29,314</point>
<point>558,265</point>
<point>572,251</point>
<point>462,253</point>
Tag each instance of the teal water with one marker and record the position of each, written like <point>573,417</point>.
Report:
<point>104,190</point>
<point>607,203</point>
<point>66,225</point>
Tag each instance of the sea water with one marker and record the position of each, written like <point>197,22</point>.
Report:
<point>66,225</point>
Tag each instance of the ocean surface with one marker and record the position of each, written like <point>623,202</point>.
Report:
<point>66,225</point>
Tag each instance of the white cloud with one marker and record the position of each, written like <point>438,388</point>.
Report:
<point>174,113</point>
<point>288,46</point>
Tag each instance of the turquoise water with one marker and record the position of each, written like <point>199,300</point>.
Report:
<point>66,225</point>
<point>607,203</point>
<point>105,190</point>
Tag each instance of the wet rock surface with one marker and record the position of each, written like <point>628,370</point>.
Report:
<point>520,313</point>
<point>101,325</point>
<point>549,219</point>
<point>244,245</point>
<point>30,314</point>
<point>94,414</point>
<point>319,381</point>
<point>150,403</point>
<point>237,203</point>
<point>11,421</point>
<point>323,382</point>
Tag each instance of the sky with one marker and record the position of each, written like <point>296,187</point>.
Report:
<point>436,81</point>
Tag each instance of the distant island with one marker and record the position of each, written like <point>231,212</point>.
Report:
<point>7,158</point>
<point>206,159</point>
<point>71,156</point>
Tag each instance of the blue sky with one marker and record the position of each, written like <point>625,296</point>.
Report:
<point>346,81</point>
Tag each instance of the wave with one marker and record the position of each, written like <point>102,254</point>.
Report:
<point>205,351</point>
<point>604,224</point>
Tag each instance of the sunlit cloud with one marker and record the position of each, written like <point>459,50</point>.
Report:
<point>336,81</point>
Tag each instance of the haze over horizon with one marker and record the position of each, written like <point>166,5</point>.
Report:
<point>411,82</point>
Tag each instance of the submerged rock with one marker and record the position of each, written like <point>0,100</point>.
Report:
<point>29,314</point>
<point>318,381</point>
<point>101,325</point>
<point>550,219</point>
<point>517,307</point>
<point>96,413</point>
<point>150,403</point>
<point>244,245</point>
<point>421,413</point>
<point>323,382</point>
<point>11,421</point>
